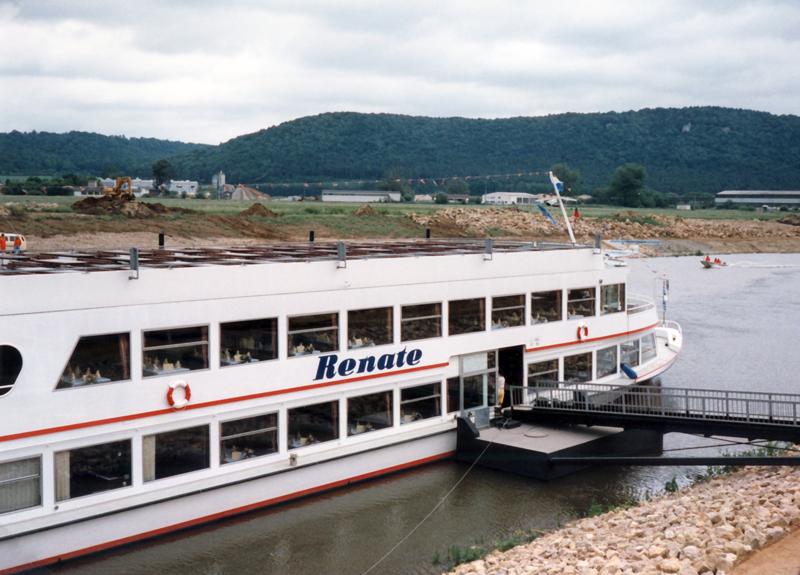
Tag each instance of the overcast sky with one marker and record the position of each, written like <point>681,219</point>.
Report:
<point>208,71</point>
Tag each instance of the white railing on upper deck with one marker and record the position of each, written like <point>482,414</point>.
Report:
<point>673,325</point>
<point>639,304</point>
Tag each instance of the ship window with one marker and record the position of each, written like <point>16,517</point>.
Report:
<point>98,359</point>
<point>580,303</point>
<point>369,412</point>
<point>175,452</point>
<point>606,361</point>
<point>629,352</point>
<point>10,366</point>
<point>421,321</point>
<point>648,347</point>
<point>367,327</point>
<point>466,316</point>
<point>313,334</point>
<point>578,367</point>
<point>248,341</point>
<point>546,306</point>
<point>171,350</point>
<point>94,469</point>
<point>612,298</point>
<point>420,402</point>
<point>508,311</point>
<point>543,373</point>
<point>313,424</point>
<point>20,484</point>
<point>249,437</point>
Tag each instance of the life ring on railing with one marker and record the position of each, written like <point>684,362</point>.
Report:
<point>583,332</point>
<point>187,394</point>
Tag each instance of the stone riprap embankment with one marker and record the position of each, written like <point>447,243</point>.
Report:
<point>706,528</point>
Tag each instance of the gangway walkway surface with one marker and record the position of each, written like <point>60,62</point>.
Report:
<point>751,415</point>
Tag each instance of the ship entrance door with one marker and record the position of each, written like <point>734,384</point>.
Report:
<point>478,385</point>
<point>511,368</point>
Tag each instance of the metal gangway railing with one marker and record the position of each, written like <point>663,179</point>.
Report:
<point>774,416</point>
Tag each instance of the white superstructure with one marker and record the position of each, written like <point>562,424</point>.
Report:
<point>144,391</point>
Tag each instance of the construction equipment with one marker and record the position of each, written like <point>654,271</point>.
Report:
<point>119,191</point>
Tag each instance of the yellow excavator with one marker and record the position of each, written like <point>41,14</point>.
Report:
<point>119,191</point>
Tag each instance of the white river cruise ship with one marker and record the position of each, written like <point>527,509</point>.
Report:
<point>145,391</point>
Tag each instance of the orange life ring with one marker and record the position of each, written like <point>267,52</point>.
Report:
<point>583,332</point>
<point>187,394</point>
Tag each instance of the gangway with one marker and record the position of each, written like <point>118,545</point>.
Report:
<point>707,412</point>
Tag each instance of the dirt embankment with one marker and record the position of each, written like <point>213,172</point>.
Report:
<point>139,223</point>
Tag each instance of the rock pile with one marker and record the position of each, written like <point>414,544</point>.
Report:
<point>516,222</point>
<point>707,528</point>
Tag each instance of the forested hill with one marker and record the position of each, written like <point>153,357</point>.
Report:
<point>48,154</point>
<point>684,150</point>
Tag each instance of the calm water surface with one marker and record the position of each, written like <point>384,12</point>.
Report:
<point>739,327</point>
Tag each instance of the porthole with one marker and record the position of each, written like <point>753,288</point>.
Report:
<point>10,366</point>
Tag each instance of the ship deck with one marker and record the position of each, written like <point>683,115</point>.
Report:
<point>103,259</point>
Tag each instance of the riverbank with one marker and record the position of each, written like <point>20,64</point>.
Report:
<point>711,527</point>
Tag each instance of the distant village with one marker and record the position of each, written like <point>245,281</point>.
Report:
<point>220,189</point>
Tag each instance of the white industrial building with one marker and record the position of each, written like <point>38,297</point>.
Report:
<point>505,198</point>
<point>181,186</point>
<point>359,196</point>
<point>758,198</point>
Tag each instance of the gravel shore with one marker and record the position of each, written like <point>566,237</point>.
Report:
<point>709,527</point>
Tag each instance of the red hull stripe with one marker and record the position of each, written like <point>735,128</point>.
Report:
<point>223,514</point>
<point>589,340</point>
<point>213,403</point>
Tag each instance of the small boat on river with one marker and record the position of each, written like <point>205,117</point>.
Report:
<point>708,263</point>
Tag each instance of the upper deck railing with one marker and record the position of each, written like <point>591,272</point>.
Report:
<point>639,304</point>
<point>100,259</point>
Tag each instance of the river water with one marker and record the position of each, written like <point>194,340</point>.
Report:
<point>738,324</point>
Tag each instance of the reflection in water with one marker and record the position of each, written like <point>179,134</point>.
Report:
<point>739,331</point>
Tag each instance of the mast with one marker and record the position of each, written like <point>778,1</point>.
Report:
<point>558,186</point>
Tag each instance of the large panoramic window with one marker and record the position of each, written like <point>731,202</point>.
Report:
<point>367,327</point>
<point>580,303</point>
<point>369,412</point>
<point>543,373</point>
<point>546,306</point>
<point>578,367</point>
<point>606,361</point>
<point>249,437</point>
<point>175,452</point>
<point>172,350</point>
<point>248,341</point>
<point>98,359</point>
<point>629,353</point>
<point>10,366</point>
<point>312,424</point>
<point>420,402</point>
<point>421,321</point>
<point>20,484</point>
<point>93,469</point>
<point>612,298</point>
<point>313,334</point>
<point>508,311</point>
<point>648,347</point>
<point>466,316</point>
